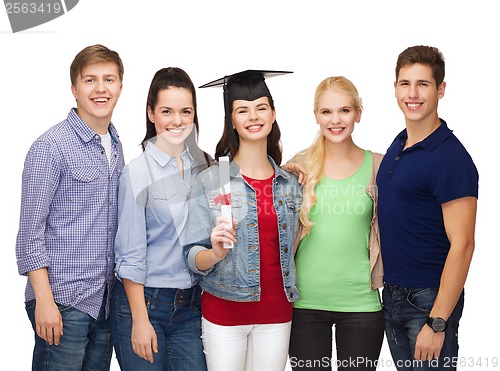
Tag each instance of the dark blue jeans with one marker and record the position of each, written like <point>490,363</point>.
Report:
<point>176,317</point>
<point>406,311</point>
<point>358,338</point>
<point>85,346</point>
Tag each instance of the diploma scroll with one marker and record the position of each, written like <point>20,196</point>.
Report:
<point>225,190</point>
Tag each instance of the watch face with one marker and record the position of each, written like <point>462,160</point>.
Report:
<point>438,324</point>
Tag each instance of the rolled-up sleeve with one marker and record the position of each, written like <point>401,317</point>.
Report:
<point>131,236</point>
<point>39,183</point>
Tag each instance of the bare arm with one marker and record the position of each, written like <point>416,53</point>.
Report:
<point>143,337</point>
<point>48,319</point>
<point>459,221</point>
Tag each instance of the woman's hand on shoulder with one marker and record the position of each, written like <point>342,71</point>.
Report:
<point>296,169</point>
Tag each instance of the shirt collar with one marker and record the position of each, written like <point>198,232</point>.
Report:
<point>84,130</point>
<point>433,140</point>
<point>163,158</point>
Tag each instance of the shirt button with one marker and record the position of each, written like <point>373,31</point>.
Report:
<point>284,226</point>
<point>396,158</point>
<point>390,172</point>
<point>286,249</point>
<point>280,202</point>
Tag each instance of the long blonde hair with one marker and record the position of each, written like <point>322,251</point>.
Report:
<point>313,158</point>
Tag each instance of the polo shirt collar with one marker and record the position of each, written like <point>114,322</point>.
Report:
<point>433,141</point>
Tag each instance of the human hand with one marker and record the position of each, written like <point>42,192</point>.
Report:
<point>296,169</point>
<point>428,345</point>
<point>222,233</point>
<point>144,340</point>
<point>48,321</point>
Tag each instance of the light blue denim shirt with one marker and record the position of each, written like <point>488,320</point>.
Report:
<point>152,214</point>
<point>237,276</point>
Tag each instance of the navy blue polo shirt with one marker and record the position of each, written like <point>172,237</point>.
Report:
<point>412,185</point>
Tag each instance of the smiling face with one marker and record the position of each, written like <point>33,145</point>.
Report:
<point>253,120</point>
<point>173,117</point>
<point>417,94</point>
<point>96,91</point>
<point>336,115</point>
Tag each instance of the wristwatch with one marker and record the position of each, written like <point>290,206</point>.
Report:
<point>437,324</point>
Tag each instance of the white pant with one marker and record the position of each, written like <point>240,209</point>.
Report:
<point>246,347</point>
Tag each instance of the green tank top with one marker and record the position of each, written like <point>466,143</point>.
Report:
<point>333,266</point>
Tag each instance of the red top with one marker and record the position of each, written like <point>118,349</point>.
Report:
<point>273,306</point>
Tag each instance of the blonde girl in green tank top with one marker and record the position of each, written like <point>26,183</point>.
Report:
<point>339,269</point>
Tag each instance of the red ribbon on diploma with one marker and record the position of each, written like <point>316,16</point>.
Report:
<point>223,199</point>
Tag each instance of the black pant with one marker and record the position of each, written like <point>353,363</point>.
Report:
<point>358,337</point>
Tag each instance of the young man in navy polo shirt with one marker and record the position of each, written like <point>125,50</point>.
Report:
<point>428,189</point>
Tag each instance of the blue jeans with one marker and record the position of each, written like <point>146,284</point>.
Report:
<point>176,317</point>
<point>85,346</point>
<point>406,311</point>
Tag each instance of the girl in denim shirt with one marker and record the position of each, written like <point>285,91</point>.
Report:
<point>155,307</point>
<point>249,288</point>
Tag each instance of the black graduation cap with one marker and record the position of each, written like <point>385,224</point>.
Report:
<point>246,85</point>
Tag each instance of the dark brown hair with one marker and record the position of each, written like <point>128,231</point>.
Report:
<point>427,55</point>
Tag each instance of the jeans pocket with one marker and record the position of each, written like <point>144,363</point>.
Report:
<point>123,310</point>
<point>422,299</point>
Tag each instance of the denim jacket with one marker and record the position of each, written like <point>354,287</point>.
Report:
<point>237,276</point>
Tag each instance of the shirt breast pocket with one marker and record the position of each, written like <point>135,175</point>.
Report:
<point>84,184</point>
<point>237,212</point>
<point>160,198</point>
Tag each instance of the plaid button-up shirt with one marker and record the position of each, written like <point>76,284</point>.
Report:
<point>69,213</point>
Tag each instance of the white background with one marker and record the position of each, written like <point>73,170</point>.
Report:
<point>209,39</point>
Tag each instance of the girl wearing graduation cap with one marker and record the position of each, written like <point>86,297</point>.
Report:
<point>339,266</point>
<point>155,306</point>
<point>250,286</point>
